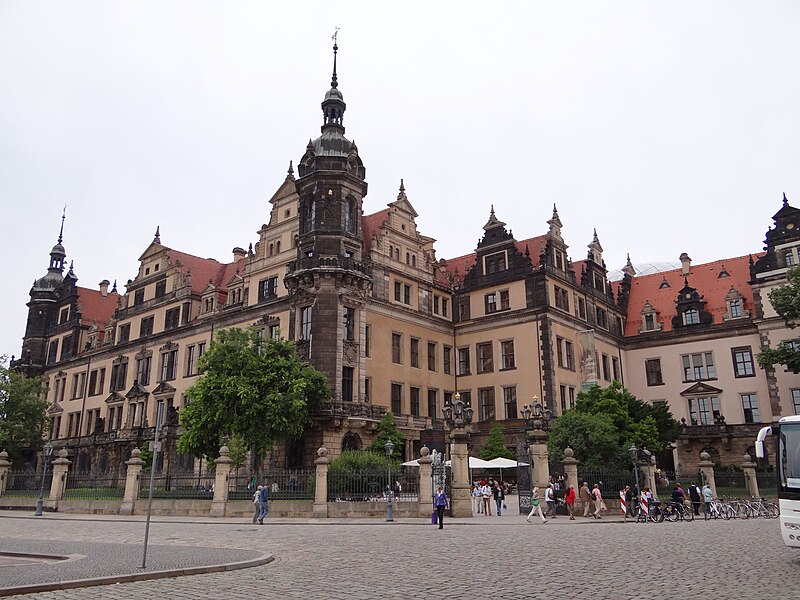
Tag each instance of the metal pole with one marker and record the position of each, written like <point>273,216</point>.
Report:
<point>40,501</point>
<point>638,489</point>
<point>389,505</point>
<point>159,414</point>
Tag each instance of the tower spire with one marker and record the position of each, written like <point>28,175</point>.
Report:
<point>64,216</point>
<point>334,82</point>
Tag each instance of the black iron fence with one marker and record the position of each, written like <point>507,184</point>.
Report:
<point>178,486</point>
<point>610,481</point>
<point>27,484</point>
<point>366,487</point>
<point>283,484</point>
<point>96,486</point>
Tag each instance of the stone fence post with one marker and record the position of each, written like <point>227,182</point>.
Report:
<point>60,468</point>
<point>321,484</point>
<point>706,466</point>
<point>648,470</point>
<point>749,468</point>
<point>223,470</point>
<point>425,483</point>
<point>540,459</point>
<point>5,467</point>
<point>571,468</point>
<point>132,486</point>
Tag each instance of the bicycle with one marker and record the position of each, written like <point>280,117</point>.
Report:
<point>673,511</point>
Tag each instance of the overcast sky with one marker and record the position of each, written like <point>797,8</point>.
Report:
<point>670,127</point>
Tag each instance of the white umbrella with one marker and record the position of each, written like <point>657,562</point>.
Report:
<point>505,463</point>
<point>411,463</point>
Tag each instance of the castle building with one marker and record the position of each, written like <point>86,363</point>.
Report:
<point>366,301</point>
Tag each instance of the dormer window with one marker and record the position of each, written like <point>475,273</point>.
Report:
<point>664,283</point>
<point>494,263</point>
<point>649,318</point>
<point>735,308</point>
<point>788,257</point>
<point>63,316</point>
<point>649,322</point>
<point>691,317</point>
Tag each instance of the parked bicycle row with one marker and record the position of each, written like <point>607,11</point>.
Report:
<point>731,508</point>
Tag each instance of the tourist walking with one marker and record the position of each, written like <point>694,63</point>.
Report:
<point>440,502</point>
<point>535,506</point>
<point>597,496</point>
<point>586,498</point>
<point>499,496</point>
<point>708,496</point>
<point>476,498</point>
<point>486,496</point>
<point>569,500</point>
<point>263,501</point>
<point>256,504</point>
<point>550,501</point>
<point>694,497</point>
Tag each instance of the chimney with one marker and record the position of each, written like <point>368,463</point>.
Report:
<point>104,287</point>
<point>686,264</point>
<point>238,253</point>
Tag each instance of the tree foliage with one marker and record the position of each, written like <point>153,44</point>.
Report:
<point>22,412</point>
<point>786,302</point>
<point>258,390</point>
<point>607,421</point>
<point>361,462</point>
<point>387,430</point>
<point>495,446</point>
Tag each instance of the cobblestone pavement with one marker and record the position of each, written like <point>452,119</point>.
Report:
<point>498,557</point>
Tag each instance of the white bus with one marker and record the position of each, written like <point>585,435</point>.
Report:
<point>787,459</point>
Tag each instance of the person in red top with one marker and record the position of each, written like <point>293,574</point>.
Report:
<point>569,500</point>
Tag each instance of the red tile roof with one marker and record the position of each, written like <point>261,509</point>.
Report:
<point>203,270</point>
<point>370,225</point>
<point>704,278</point>
<point>95,308</point>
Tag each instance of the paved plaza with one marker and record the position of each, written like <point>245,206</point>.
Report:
<point>498,557</point>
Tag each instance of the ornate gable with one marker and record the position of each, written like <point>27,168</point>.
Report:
<point>690,307</point>
<point>701,389</point>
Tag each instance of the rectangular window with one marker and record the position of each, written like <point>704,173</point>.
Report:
<point>569,354</point>
<point>602,318</point>
<point>615,368</point>
<point>510,402</point>
<point>652,371</point>
<point>560,352</point>
<point>397,398</point>
<point>119,374</point>
<point>186,312</point>
<point>161,288</point>
<point>143,370</point>
<point>268,289</point>
<point>485,359</point>
<point>796,401</point>
<point>172,318</point>
<point>347,384</point>
<point>398,291</point>
<point>463,361</point>
<point>397,341</point>
<point>495,263</point>
<point>305,323</point>
<point>78,385</point>
<point>349,323</point>
<point>447,360</point>
<point>66,347</point>
<point>367,341</point>
<point>414,395</point>
<point>124,333</point>
<point>507,351</point>
<point>415,352</point>
<point>89,422</point>
<point>571,391</point>
<point>704,411</point>
<point>368,390</point>
<point>169,362</point>
<point>138,297</point>
<point>606,369</point>
<point>582,308</point>
<point>486,404</point>
<point>52,352</point>
<point>146,326</point>
<point>72,424</point>
<point>58,391</point>
<point>743,362</point>
<point>444,307</point>
<point>698,367</point>
<point>97,381</point>
<point>63,316</point>
<point>562,298</point>
<point>432,404</point>
<point>750,408</point>
<point>436,305</point>
<point>735,308</point>
<point>191,360</point>
<point>562,394</point>
<point>505,301</point>
<point>491,303</point>
<point>406,294</point>
<point>431,356</point>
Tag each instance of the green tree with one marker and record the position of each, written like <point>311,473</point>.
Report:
<point>632,421</point>
<point>258,390</point>
<point>22,412</point>
<point>495,446</point>
<point>786,302</point>
<point>387,430</point>
<point>238,451</point>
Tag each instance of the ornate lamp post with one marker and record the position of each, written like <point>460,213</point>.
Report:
<point>537,421</point>
<point>390,491</point>
<point>458,415</point>
<point>47,451</point>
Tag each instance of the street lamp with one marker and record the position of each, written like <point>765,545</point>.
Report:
<point>457,413</point>
<point>389,507</point>
<point>46,452</point>
<point>535,415</point>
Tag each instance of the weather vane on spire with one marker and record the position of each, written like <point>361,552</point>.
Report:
<point>335,35</point>
<point>63,216</point>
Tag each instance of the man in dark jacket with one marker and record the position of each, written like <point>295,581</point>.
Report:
<point>263,501</point>
<point>695,498</point>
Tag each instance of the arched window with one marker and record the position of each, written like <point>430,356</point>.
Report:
<point>277,247</point>
<point>351,441</point>
<point>391,251</point>
<point>271,249</point>
<point>408,258</point>
<point>413,260</point>
<point>397,253</point>
<point>350,216</point>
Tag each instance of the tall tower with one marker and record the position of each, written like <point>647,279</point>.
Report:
<point>328,283</point>
<point>45,295</point>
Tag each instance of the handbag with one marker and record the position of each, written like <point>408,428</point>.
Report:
<point>434,519</point>
<point>535,502</point>
<point>603,506</point>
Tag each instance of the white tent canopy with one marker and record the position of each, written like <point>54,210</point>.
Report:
<point>474,463</point>
<point>504,463</point>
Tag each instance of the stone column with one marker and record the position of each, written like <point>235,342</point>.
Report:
<point>223,470</point>
<point>749,468</point>
<point>132,475</point>
<point>5,467</point>
<point>60,468</point>
<point>648,472</point>
<point>571,468</point>
<point>541,459</point>
<point>706,466</point>
<point>321,484</point>
<point>425,483</point>
<point>461,500</point>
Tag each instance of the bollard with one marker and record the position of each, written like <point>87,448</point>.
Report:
<point>644,508</point>
<point>623,506</point>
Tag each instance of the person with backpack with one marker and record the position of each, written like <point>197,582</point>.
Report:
<point>263,501</point>
<point>550,501</point>
<point>694,497</point>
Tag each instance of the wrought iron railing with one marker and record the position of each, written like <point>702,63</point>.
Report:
<point>179,486</point>
<point>27,484</point>
<point>283,484</point>
<point>371,487</point>
<point>96,486</point>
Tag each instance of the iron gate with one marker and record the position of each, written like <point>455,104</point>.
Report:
<point>524,487</point>
<point>442,475</point>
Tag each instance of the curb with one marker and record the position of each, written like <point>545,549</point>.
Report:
<point>130,577</point>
